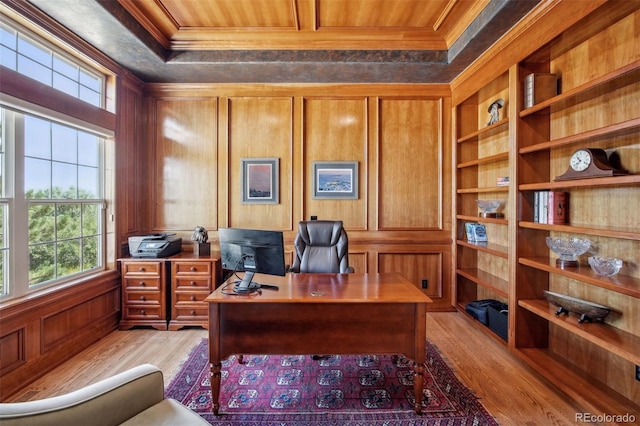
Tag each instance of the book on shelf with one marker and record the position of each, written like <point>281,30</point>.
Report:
<point>539,87</point>
<point>503,181</point>
<point>476,232</point>
<point>550,207</point>
<point>557,205</point>
<point>540,207</point>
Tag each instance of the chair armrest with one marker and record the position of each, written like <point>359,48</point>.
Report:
<point>108,402</point>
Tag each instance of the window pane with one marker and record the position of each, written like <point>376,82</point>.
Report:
<point>68,221</point>
<point>34,51</point>
<point>90,219</point>
<point>34,70</point>
<point>64,67</point>
<point>37,179</point>
<point>68,257</point>
<point>41,223</point>
<point>90,81</point>
<point>8,37</point>
<point>89,184</point>
<point>89,96</point>
<point>8,58</point>
<point>65,85</point>
<point>41,263</point>
<point>37,135</point>
<point>90,253</point>
<point>64,146</point>
<point>64,181</point>
<point>88,149</point>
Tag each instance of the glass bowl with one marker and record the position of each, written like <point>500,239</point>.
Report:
<point>605,265</point>
<point>568,249</point>
<point>489,207</point>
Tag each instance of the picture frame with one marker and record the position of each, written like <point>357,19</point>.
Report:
<point>335,179</point>
<point>260,180</point>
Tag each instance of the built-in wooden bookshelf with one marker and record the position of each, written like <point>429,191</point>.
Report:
<point>597,106</point>
<point>482,156</point>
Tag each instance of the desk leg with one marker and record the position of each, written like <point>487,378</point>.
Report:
<point>418,384</point>
<point>215,387</point>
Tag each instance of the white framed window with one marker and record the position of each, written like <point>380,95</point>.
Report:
<point>53,203</point>
<point>52,172</point>
<point>23,52</point>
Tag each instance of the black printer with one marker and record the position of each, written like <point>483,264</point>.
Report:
<point>155,245</point>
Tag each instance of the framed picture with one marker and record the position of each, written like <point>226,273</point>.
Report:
<point>260,181</point>
<point>335,179</point>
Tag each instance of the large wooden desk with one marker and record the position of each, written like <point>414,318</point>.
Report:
<point>320,314</point>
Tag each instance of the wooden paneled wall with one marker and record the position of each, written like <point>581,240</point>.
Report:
<point>199,134</point>
<point>40,333</point>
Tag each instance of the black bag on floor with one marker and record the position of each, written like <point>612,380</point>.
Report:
<point>478,309</point>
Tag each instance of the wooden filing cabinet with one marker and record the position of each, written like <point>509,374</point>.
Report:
<point>144,294</point>
<point>193,278</point>
<point>168,293</point>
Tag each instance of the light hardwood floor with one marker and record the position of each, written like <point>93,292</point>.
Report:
<point>509,390</point>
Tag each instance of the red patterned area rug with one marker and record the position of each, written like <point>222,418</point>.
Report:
<point>339,390</point>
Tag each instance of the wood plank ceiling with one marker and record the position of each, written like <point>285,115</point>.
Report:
<point>305,24</point>
<point>290,41</point>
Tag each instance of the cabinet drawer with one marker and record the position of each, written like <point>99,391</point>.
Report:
<point>189,297</point>
<point>193,268</point>
<point>142,297</point>
<point>192,313</point>
<point>141,283</point>
<point>193,283</point>
<point>141,268</point>
<point>143,312</point>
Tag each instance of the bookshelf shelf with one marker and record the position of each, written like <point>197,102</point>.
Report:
<point>623,344</point>
<point>493,129</point>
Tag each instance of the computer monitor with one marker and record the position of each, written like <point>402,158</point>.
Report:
<point>251,251</point>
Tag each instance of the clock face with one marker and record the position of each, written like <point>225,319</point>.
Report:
<point>580,160</point>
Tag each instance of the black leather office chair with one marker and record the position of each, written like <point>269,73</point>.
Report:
<point>321,246</point>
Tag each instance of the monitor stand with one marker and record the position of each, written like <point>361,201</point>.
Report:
<point>246,285</point>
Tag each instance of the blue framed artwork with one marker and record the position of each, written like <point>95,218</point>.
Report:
<point>335,179</point>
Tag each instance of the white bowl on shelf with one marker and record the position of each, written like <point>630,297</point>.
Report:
<point>607,266</point>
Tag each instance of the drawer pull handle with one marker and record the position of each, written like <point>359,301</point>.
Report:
<point>193,269</point>
<point>143,298</point>
<point>141,269</point>
<point>193,283</point>
<point>142,283</point>
<point>193,313</point>
<point>193,298</point>
<point>143,312</point>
